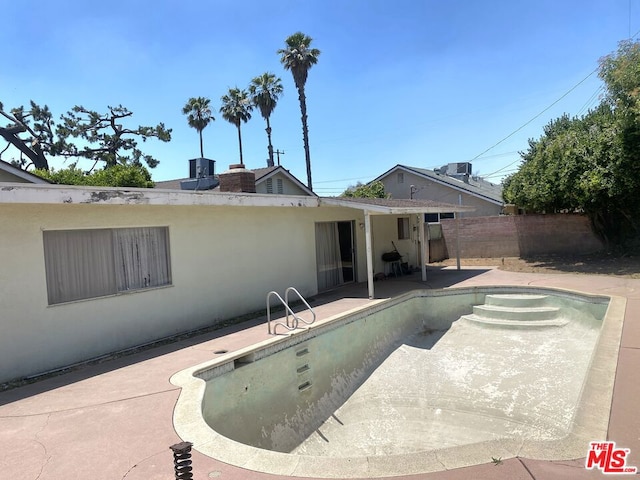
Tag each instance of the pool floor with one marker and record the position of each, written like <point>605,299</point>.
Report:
<point>466,385</point>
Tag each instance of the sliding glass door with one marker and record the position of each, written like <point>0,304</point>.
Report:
<point>334,254</point>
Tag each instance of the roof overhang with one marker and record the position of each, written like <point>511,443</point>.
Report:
<point>82,195</point>
<point>15,193</point>
<point>388,206</point>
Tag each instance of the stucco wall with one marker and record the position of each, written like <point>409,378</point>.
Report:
<point>385,231</point>
<point>430,190</point>
<point>224,261</point>
<point>521,236</point>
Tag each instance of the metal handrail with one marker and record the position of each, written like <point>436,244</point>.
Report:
<point>286,299</point>
<point>296,318</point>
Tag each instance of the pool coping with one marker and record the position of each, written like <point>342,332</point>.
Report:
<point>590,422</point>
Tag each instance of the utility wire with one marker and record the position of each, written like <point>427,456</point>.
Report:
<point>531,120</point>
<point>538,115</point>
<point>591,100</point>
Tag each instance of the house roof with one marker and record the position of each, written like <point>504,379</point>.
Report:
<point>262,174</point>
<point>22,174</point>
<point>83,195</point>
<point>476,186</point>
<point>91,195</point>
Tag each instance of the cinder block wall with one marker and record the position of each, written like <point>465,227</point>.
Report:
<point>521,236</point>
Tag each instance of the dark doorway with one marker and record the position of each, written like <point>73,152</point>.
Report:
<point>347,251</point>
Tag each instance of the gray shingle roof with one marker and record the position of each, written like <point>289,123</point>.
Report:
<point>477,186</point>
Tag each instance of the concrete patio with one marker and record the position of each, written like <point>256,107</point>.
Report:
<point>113,419</point>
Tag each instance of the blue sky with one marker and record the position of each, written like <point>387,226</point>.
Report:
<point>416,82</point>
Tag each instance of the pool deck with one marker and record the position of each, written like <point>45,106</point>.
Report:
<point>113,420</point>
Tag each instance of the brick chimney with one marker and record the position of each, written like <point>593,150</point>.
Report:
<point>237,179</point>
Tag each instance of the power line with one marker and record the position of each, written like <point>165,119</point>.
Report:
<point>538,115</point>
<point>501,174</point>
<point>588,102</point>
<point>342,180</point>
<point>591,100</point>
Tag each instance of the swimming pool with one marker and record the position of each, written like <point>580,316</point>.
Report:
<point>426,381</point>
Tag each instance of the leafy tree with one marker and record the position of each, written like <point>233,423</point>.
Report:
<point>369,190</point>
<point>590,163</point>
<point>81,133</point>
<point>116,176</point>
<point>621,73</point>
<point>236,109</point>
<point>298,57</point>
<point>198,116</point>
<point>265,91</point>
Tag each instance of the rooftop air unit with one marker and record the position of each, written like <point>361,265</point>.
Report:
<point>201,175</point>
<point>460,168</point>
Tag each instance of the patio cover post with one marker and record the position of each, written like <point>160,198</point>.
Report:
<point>367,236</point>
<point>424,250</point>
<point>457,215</point>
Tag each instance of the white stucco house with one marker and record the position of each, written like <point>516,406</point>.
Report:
<point>87,271</point>
<point>453,183</point>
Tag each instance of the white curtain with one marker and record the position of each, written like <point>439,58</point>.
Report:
<point>78,264</point>
<point>142,257</point>
<point>328,255</point>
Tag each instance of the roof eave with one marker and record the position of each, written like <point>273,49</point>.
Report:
<point>14,193</point>
<point>382,210</point>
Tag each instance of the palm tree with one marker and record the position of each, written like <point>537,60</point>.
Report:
<point>265,91</point>
<point>236,108</point>
<point>299,58</point>
<point>198,115</point>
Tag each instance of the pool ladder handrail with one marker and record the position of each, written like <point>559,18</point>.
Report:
<point>285,302</point>
<point>286,325</point>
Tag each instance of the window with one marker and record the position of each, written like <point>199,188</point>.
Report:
<point>436,217</point>
<point>280,186</point>
<point>269,185</point>
<point>83,264</point>
<point>400,177</point>
<point>403,228</point>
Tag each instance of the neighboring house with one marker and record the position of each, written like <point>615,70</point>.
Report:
<point>280,181</point>
<point>271,180</point>
<point>452,184</point>
<point>87,271</point>
<point>9,173</point>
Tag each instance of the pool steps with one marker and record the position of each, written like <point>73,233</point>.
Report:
<point>516,311</point>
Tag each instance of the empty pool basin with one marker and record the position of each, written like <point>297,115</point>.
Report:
<point>427,381</point>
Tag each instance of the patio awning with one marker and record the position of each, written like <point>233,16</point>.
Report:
<point>392,206</point>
